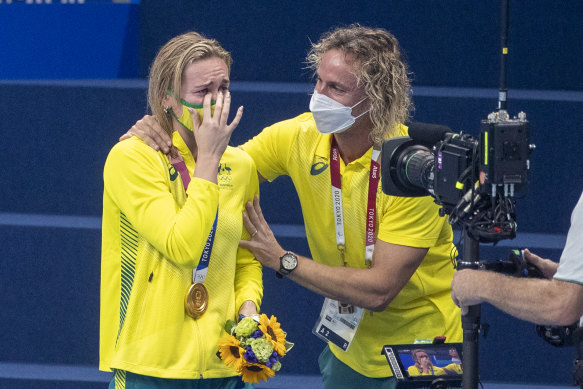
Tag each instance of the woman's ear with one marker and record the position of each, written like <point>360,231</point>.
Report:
<point>169,102</point>
<point>166,102</point>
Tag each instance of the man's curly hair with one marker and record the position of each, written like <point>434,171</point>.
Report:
<point>379,68</point>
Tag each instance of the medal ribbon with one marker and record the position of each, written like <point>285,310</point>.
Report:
<point>373,182</point>
<point>199,275</point>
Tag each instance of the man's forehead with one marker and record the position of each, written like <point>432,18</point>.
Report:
<point>338,58</point>
<point>337,66</point>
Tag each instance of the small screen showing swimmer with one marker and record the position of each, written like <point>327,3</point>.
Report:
<point>425,362</point>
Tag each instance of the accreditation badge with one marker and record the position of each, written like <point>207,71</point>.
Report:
<point>336,327</point>
<point>344,308</point>
<point>196,300</point>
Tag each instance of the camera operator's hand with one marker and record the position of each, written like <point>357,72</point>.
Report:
<point>546,266</point>
<point>464,290</point>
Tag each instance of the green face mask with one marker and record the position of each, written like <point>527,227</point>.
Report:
<point>186,119</point>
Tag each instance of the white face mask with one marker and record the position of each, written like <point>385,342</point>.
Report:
<point>330,116</point>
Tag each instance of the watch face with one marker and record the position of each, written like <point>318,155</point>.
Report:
<point>289,261</point>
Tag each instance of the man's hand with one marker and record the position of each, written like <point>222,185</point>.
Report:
<point>464,288</point>
<point>546,266</point>
<point>149,130</point>
<point>262,243</point>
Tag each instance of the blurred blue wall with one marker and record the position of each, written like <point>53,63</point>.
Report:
<point>73,82</point>
<point>69,39</point>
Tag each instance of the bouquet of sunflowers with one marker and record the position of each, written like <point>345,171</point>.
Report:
<point>254,347</point>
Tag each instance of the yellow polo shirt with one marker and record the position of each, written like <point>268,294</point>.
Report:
<point>423,308</point>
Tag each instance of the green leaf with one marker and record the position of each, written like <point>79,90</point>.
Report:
<point>288,346</point>
<point>229,325</point>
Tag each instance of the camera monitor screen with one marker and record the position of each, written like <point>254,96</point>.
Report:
<point>425,362</point>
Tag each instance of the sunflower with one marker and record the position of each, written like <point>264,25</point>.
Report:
<point>231,352</point>
<point>273,332</point>
<point>255,372</point>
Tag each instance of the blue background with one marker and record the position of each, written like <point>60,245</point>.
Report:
<point>72,80</point>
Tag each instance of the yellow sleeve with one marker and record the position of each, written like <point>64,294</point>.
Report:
<point>270,149</point>
<point>137,180</point>
<point>248,273</point>
<point>453,368</point>
<point>411,221</point>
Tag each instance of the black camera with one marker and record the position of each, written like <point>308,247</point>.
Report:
<point>475,181</point>
<point>515,265</point>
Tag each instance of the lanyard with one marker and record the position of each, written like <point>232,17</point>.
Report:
<point>373,182</point>
<point>199,275</point>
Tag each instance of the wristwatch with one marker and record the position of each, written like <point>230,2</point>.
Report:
<point>287,263</point>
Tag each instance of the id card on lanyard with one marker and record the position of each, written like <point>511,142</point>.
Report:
<point>338,322</point>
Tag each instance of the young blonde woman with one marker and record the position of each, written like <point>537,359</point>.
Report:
<point>172,271</point>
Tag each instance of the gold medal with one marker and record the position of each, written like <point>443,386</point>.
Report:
<point>344,308</point>
<point>196,300</point>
